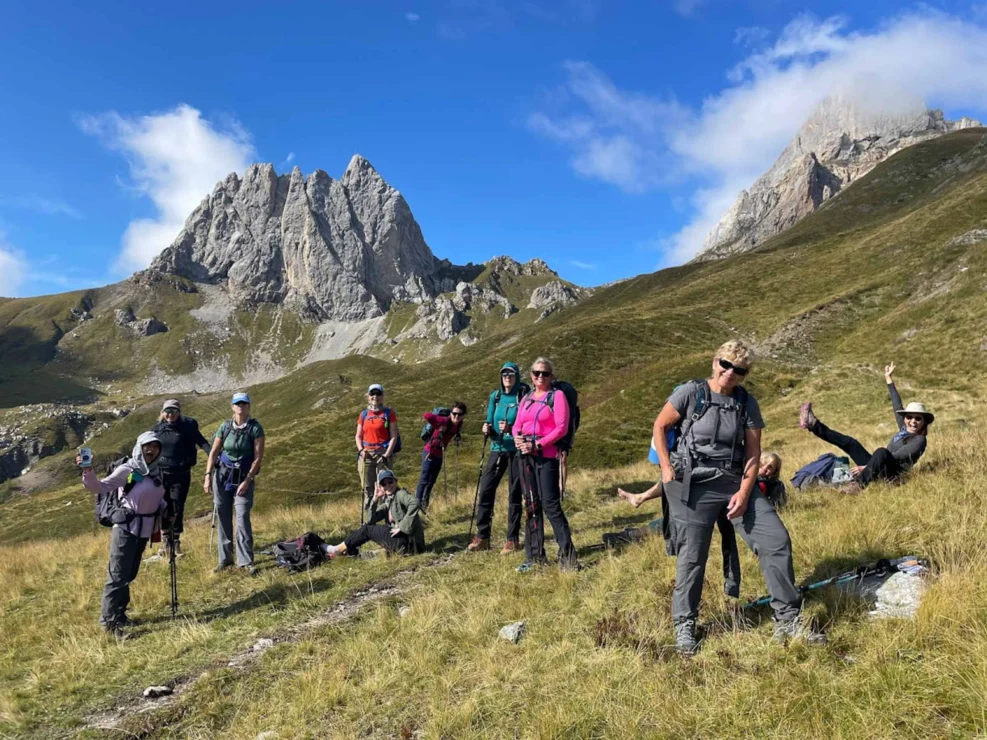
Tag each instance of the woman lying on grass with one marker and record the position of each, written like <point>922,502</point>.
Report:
<point>886,463</point>
<point>403,533</point>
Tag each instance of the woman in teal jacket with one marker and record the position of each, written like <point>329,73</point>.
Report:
<point>501,412</point>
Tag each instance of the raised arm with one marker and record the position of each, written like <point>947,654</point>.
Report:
<point>110,483</point>
<point>896,404</point>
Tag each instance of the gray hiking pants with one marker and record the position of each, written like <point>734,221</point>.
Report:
<point>126,550</point>
<point>367,470</point>
<point>760,527</point>
<point>226,502</point>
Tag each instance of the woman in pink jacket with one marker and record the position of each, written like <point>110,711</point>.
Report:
<point>138,517</point>
<point>542,420</point>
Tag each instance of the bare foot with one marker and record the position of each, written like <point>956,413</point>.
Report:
<point>634,499</point>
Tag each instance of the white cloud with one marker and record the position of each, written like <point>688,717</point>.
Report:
<point>751,36</point>
<point>582,265</point>
<point>13,268</point>
<point>412,17</point>
<point>40,204</point>
<point>176,158</point>
<point>639,141</point>
<point>287,161</point>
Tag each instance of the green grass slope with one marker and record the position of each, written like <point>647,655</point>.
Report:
<point>882,272</point>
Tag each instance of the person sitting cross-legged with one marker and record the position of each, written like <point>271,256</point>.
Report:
<point>402,533</point>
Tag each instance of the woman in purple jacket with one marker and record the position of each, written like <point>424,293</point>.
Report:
<point>138,482</point>
<point>543,420</point>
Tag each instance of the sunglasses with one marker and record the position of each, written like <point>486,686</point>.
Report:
<point>457,413</point>
<point>376,393</point>
<point>387,481</point>
<point>171,411</point>
<point>727,366</point>
<point>242,403</point>
<point>541,374</point>
<point>507,375</point>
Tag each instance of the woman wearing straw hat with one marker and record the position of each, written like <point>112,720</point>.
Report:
<point>886,463</point>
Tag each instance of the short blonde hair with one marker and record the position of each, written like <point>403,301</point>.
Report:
<point>544,361</point>
<point>737,351</point>
<point>772,457</point>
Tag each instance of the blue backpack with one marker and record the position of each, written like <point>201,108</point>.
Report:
<point>683,428</point>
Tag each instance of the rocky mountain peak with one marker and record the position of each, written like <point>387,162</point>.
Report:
<point>838,144</point>
<point>335,249</point>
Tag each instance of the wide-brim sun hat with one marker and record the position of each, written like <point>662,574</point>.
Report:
<point>918,408</point>
<point>240,398</point>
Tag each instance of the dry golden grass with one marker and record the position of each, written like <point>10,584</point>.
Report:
<point>597,659</point>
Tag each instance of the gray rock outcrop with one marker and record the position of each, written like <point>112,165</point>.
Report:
<point>333,249</point>
<point>835,147</point>
<point>141,327</point>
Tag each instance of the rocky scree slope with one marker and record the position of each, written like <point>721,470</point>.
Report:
<point>836,146</point>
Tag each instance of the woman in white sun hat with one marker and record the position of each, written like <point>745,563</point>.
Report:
<point>886,463</point>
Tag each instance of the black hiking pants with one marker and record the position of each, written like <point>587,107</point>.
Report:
<point>880,465</point>
<point>497,464</point>
<point>176,484</point>
<point>126,550</point>
<point>379,533</point>
<point>542,498</point>
<point>431,467</point>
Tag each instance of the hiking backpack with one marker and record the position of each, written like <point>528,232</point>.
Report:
<point>301,554</point>
<point>572,399</point>
<point>387,426</point>
<point>109,504</point>
<point>427,428</point>
<point>674,437</point>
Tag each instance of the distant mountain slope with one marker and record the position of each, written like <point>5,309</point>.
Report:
<point>835,147</point>
<point>893,269</point>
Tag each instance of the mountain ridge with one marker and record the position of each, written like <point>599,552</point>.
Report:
<point>836,146</point>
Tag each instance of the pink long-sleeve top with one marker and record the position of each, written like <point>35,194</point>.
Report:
<point>146,497</point>
<point>536,417</point>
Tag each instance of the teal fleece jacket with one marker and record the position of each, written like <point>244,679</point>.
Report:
<point>504,409</point>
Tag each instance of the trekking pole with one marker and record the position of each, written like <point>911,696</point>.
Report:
<point>880,568</point>
<point>363,488</point>
<point>476,496</point>
<point>457,467</point>
<point>173,567</point>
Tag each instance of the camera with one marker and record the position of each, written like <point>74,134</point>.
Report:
<point>86,455</point>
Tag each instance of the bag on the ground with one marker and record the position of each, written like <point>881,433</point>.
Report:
<point>427,428</point>
<point>300,554</point>
<point>679,434</point>
<point>387,425</point>
<point>827,469</point>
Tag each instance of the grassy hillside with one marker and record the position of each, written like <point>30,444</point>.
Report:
<point>881,272</point>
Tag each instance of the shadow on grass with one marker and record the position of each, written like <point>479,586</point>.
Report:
<point>276,595</point>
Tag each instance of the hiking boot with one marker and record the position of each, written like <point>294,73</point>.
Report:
<point>221,567</point>
<point>511,546</point>
<point>250,570</point>
<point>685,637</point>
<point>478,544</point>
<point>807,419</point>
<point>799,628</point>
<point>570,566</point>
<point>115,629</point>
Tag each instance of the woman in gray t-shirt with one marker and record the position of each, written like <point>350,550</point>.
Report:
<point>712,470</point>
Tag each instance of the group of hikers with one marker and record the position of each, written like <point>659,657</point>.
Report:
<point>706,441</point>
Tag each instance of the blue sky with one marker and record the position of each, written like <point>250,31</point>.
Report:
<point>602,137</point>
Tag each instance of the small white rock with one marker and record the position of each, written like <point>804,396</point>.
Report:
<point>262,644</point>
<point>512,632</point>
<point>268,735</point>
<point>404,611</point>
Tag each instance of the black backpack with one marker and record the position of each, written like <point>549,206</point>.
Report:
<point>109,505</point>
<point>427,428</point>
<point>301,554</point>
<point>572,399</point>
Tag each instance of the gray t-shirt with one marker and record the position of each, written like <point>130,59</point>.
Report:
<point>715,435</point>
